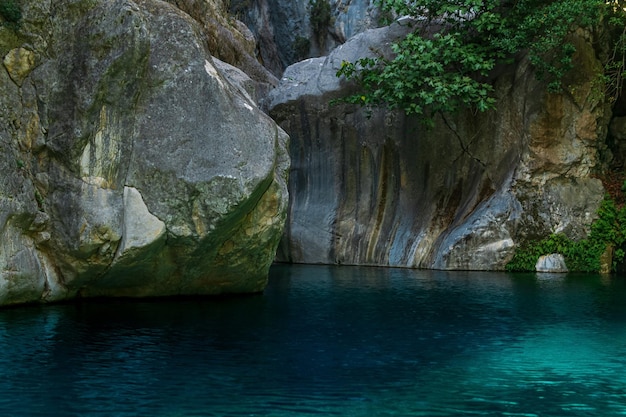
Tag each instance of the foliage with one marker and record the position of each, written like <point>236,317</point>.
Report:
<point>444,64</point>
<point>615,67</point>
<point>526,258</point>
<point>10,11</point>
<point>320,18</point>
<point>301,47</point>
<point>583,255</point>
<point>418,80</point>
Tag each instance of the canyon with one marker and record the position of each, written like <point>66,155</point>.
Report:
<point>154,148</point>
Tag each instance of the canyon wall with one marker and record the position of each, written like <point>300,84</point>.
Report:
<point>284,30</point>
<point>372,187</point>
<point>135,161</point>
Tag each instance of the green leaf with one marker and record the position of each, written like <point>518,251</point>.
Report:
<point>441,71</point>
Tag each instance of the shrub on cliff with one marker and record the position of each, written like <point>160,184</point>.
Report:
<point>608,231</point>
<point>320,19</point>
<point>10,11</point>
<point>444,64</point>
<point>301,47</point>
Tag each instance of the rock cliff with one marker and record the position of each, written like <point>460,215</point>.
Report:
<point>369,186</point>
<point>230,41</point>
<point>133,163</point>
<point>285,34</point>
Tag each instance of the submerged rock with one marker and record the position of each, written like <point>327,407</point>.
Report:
<point>131,165</point>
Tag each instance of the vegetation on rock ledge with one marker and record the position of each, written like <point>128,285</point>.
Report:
<point>320,19</point>
<point>10,11</point>
<point>444,64</point>
<point>607,232</point>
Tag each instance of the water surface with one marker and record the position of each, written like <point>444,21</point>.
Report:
<point>342,341</point>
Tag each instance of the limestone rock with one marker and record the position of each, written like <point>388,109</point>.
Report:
<point>19,62</point>
<point>279,25</point>
<point>229,40</point>
<point>141,228</point>
<point>553,263</point>
<point>606,260</point>
<point>372,187</point>
<point>131,166</point>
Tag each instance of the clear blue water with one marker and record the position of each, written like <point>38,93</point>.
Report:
<point>341,341</point>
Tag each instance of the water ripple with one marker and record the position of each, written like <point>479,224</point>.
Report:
<point>329,341</point>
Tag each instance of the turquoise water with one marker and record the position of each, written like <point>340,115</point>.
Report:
<point>325,341</point>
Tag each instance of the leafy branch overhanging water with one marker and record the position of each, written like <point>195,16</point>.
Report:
<point>446,62</point>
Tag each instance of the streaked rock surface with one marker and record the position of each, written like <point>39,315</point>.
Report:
<point>553,263</point>
<point>371,187</point>
<point>131,165</point>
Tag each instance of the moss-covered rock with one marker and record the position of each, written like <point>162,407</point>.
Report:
<point>131,165</point>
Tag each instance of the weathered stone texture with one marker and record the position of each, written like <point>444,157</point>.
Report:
<point>278,25</point>
<point>553,263</point>
<point>132,166</point>
<point>230,41</point>
<point>373,187</point>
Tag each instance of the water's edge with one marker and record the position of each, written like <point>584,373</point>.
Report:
<point>349,341</point>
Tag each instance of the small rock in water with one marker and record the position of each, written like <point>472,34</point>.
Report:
<point>554,262</point>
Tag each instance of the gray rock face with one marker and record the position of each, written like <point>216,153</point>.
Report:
<point>553,263</point>
<point>230,41</point>
<point>132,166</point>
<point>378,189</point>
<point>279,25</point>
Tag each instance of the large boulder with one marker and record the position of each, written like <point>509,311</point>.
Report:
<point>229,40</point>
<point>373,187</point>
<point>131,165</point>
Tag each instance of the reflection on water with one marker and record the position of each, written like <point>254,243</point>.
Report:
<point>330,341</point>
